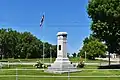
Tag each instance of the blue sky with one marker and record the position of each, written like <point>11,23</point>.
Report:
<point>60,15</point>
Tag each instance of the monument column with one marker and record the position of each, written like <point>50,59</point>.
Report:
<point>62,63</point>
<point>61,45</point>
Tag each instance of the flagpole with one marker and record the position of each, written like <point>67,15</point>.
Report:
<point>41,25</point>
<point>43,45</point>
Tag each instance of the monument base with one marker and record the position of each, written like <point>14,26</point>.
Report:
<point>61,65</point>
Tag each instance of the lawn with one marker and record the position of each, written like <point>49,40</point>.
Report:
<point>19,67</point>
<point>47,60</point>
<point>23,78</point>
<point>11,60</point>
<point>38,75</point>
<point>41,75</point>
<point>31,67</point>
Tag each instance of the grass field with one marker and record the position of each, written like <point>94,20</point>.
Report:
<point>47,60</point>
<point>7,74</point>
<point>38,75</point>
<point>31,67</point>
<point>21,78</point>
<point>85,74</point>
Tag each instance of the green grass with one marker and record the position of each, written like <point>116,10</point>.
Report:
<point>19,67</point>
<point>31,73</point>
<point>21,78</point>
<point>90,67</point>
<point>87,60</point>
<point>31,67</point>
<point>47,60</point>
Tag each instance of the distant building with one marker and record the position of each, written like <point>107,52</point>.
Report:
<point>112,55</point>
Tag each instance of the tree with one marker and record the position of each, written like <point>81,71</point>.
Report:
<point>105,15</point>
<point>2,41</point>
<point>12,41</point>
<point>93,48</point>
<point>89,39</point>
<point>74,54</point>
<point>68,55</point>
<point>54,51</point>
<point>14,44</point>
<point>47,49</point>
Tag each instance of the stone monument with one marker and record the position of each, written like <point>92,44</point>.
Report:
<point>62,63</point>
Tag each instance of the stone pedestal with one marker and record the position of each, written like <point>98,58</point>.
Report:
<point>62,63</point>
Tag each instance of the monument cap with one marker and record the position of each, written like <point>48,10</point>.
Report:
<point>62,34</point>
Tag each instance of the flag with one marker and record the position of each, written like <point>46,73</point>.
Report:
<point>41,22</point>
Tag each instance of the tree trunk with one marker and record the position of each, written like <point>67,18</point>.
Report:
<point>109,58</point>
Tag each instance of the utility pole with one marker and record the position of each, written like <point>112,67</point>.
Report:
<point>43,52</point>
<point>50,56</point>
<point>43,55</point>
<point>85,56</point>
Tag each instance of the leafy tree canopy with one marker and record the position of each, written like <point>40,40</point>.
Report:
<point>14,44</point>
<point>93,48</point>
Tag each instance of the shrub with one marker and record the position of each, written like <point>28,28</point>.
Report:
<point>81,64</point>
<point>39,64</point>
